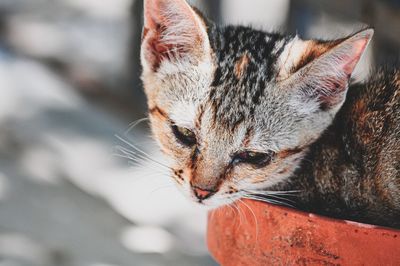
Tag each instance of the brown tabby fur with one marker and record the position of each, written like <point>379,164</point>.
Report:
<point>353,170</point>
<point>331,147</point>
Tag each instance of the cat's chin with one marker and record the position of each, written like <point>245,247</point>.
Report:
<point>210,205</point>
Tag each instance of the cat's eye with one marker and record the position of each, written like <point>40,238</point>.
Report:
<point>256,158</point>
<point>184,135</point>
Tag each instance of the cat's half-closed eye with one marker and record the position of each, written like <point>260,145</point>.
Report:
<point>184,135</point>
<point>258,159</point>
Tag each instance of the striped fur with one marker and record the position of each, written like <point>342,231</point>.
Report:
<point>239,89</point>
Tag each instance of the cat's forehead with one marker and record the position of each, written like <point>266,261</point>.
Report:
<point>246,65</point>
<point>231,42</point>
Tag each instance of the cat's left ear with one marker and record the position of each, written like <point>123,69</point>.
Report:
<point>172,31</point>
<point>319,71</point>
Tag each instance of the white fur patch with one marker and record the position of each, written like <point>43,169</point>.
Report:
<point>292,53</point>
<point>278,45</point>
<point>184,114</point>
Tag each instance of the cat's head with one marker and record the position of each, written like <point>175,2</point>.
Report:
<point>234,109</point>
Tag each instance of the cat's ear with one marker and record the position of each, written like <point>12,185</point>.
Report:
<point>172,30</point>
<point>321,72</point>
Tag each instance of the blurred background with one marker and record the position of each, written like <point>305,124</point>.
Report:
<point>69,85</point>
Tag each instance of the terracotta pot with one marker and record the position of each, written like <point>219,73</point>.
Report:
<point>255,233</point>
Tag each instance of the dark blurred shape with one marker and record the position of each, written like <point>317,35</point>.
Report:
<point>212,9</point>
<point>384,16</point>
<point>136,18</point>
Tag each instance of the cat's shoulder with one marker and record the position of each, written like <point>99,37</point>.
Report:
<point>385,80</point>
<point>371,113</point>
<point>381,92</point>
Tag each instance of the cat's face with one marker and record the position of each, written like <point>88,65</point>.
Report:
<point>235,109</point>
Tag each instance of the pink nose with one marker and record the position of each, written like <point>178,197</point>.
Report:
<point>202,194</point>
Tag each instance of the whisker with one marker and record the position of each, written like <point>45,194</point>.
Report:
<point>254,216</point>
<point>136,161</point>
<point>131,154</point>
<point>265,199</point>
<point>280,198</point>
<point>233,209</point>
<point>274,192</point>
<point>140,161</point>
<point>131,145</point>
<point>135,123</point>
<point>162,187</point>
<point>128,151</point>
<point>133,157</point>
<point>232,204</point>
<point>126,155</point>
<point>143,153</point>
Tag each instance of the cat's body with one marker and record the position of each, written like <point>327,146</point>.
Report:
<point>353,170</point>
<point>241,112</point>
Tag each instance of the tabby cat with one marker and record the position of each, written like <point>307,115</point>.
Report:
<point>244,113</point>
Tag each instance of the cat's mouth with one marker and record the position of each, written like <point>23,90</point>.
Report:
<point>213,199</point>
<point>202,194</point>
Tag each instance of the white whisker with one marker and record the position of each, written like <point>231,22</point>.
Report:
<point>278,196</point>
<point>264,199</point>
<point>138,160</point>
<point>273,192</point>
<point>239,213</point>
<point>255,217</point>
<point>134,124</point>
<point>162,187</point>
<point>131,154</point>
<point>142,153</point>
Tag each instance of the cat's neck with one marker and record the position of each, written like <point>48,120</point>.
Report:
<point>334,165</point>
<point>328,165</point>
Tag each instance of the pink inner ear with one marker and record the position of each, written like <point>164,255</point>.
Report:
<point>155,54</point>
<point>154,12</point>
<point>353,58</point>
<point>335,90</point>
<point>328,75</point>
<point>170,30</point>
<point>336,85</point>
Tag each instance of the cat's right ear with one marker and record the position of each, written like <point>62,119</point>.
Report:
<point>172,31</point>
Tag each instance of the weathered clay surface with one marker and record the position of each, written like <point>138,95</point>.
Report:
<point>255,233</point>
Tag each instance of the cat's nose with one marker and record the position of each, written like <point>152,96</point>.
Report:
<point>202,194</point>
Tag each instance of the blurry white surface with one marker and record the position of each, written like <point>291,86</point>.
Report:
<point>270,14</point>
<point>20,246</point>
<point>60,137</point>
<point>3,186</point>
<point>102,264</point>
<point>107,9</point>
<point>147,239</point>
<point>90,37</point>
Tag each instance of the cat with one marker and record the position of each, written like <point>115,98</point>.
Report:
<point>240,112</point>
